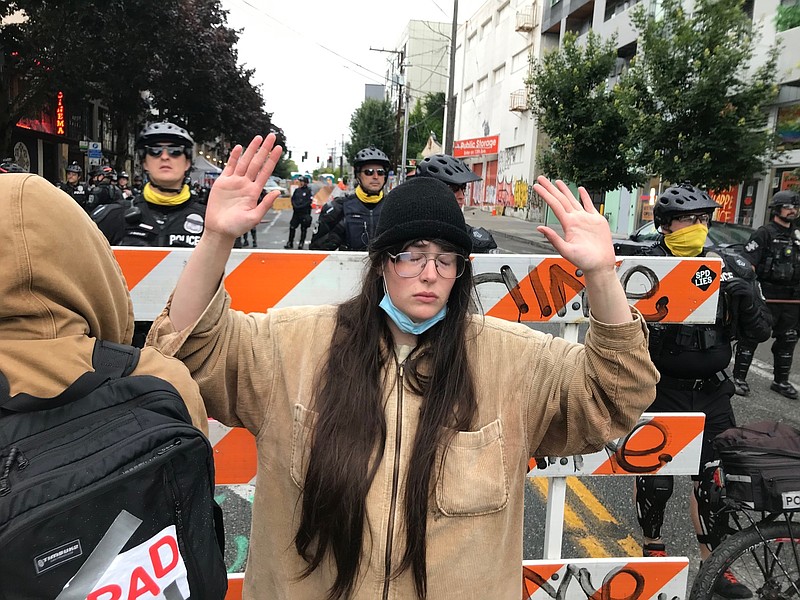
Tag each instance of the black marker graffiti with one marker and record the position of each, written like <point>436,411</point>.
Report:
<point>555,302</point>
<point>580,574</point>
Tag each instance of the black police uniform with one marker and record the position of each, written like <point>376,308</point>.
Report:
<point>692,360</point>
<point>109,212</point>
<point>160,226</point>
<point>346,223</point>
<point>154,225</point>
<point>302,199</point>
<point>79,192</point>
<point>775,251</point>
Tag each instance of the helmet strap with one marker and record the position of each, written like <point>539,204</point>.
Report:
<point>165,189</point>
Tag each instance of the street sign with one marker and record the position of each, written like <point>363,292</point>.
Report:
<point>95,151</point>
<point>83,145</point>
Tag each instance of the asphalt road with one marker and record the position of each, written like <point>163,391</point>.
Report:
<point>601,516</point>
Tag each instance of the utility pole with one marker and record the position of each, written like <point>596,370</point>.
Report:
<point>450,127</point>
<point>400,90</point>
<point>341,160</point>
<point>405,139</point>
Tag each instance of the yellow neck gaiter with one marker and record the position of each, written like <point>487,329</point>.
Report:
<point>366,198</point>
<point>688,241</point>
<point>153,196</point>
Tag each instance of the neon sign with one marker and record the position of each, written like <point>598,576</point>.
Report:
<point>60,127</point>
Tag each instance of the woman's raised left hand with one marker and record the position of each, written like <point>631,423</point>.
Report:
<point>586,242</point>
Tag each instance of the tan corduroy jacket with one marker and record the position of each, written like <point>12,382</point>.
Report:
<point>537,395</point>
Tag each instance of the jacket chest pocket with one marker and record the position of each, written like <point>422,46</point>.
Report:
<point>303,423</point>
<point>473,475</point>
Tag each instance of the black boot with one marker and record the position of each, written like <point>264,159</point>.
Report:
<point>744,357</point>
<point>290,244</point>
<point>780,375</point>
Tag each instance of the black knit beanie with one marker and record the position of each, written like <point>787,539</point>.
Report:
<point>422,208</point>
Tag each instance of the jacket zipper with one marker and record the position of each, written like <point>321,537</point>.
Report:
<point>395,485</point>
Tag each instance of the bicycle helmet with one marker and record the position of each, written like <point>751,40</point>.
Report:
<point>371,155</point>
<point>447,169</point>
<point>784,197</point>
<point>9,166</point>
<point>74,167</point>
<point>155,133</point>
<point>682,198</point>
<point>106,171</point>
<point>123,175</point>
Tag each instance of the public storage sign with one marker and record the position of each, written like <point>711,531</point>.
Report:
<point>476,146</point>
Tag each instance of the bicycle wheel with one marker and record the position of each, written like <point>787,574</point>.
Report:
<point>764,560</point>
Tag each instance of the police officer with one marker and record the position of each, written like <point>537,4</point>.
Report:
<point>457,175</point>
<point>102,189</point>
<point>301,212</point>
<point>138,185</point>
<point>774,249</point>
<point>122,184</point>
<point>109,206</point>
<point>348,222</point>
<point>691,360</point>
<point>165,214</point>
<point>74,186</point>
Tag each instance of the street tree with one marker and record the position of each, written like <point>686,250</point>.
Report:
<point>694,100</point>
<point>579,112</point>
<point>180,65</point>
<point>372,124</point>
<point>425,119</point>
<point>34,64</point>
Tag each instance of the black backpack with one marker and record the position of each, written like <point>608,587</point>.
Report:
<point>107,490</point>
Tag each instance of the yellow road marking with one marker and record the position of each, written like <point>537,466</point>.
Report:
<point>631,546</point>
<point>589,500</point>
<point>593,547</point>
<point>571,518</point>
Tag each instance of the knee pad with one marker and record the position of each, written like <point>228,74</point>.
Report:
<point>710,509</point>
<point>652,494</point>
<point>788,337</point>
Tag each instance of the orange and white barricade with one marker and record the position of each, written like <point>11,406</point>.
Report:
<point>525,288</point>
<point>517,287</point>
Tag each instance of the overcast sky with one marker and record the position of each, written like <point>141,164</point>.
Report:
<point>313,58</point>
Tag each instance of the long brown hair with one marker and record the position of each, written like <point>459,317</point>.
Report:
<point>350,434</point>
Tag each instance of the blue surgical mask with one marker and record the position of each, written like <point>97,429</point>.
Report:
<point>404,322</point>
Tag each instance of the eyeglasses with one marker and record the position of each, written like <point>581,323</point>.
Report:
<point>371,172</point>
<point>457,188</point>
<point>789,206</point>
<point>705,218</point>
<point>410,264</point>
<point>173,151</point>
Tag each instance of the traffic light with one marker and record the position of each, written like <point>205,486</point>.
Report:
<point>305,155</point>
<point>290,153</point>
<point>317,159</point>
<point>330,158</point>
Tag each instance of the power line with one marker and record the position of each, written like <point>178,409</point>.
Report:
<point>381,78</point>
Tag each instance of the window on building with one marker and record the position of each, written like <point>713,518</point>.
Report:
<point>471,40</point>
<point>481,85</point>
<point>614,7</point>
<point>467,93</point>
<point>498,74</point>
<point>485,26</point>
<point>520,60</point>
<point>502,12</point>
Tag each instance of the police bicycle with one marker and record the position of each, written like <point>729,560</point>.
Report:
<point>761,488</point>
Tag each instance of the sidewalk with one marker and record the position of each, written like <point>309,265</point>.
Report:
<point>513,228</point>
